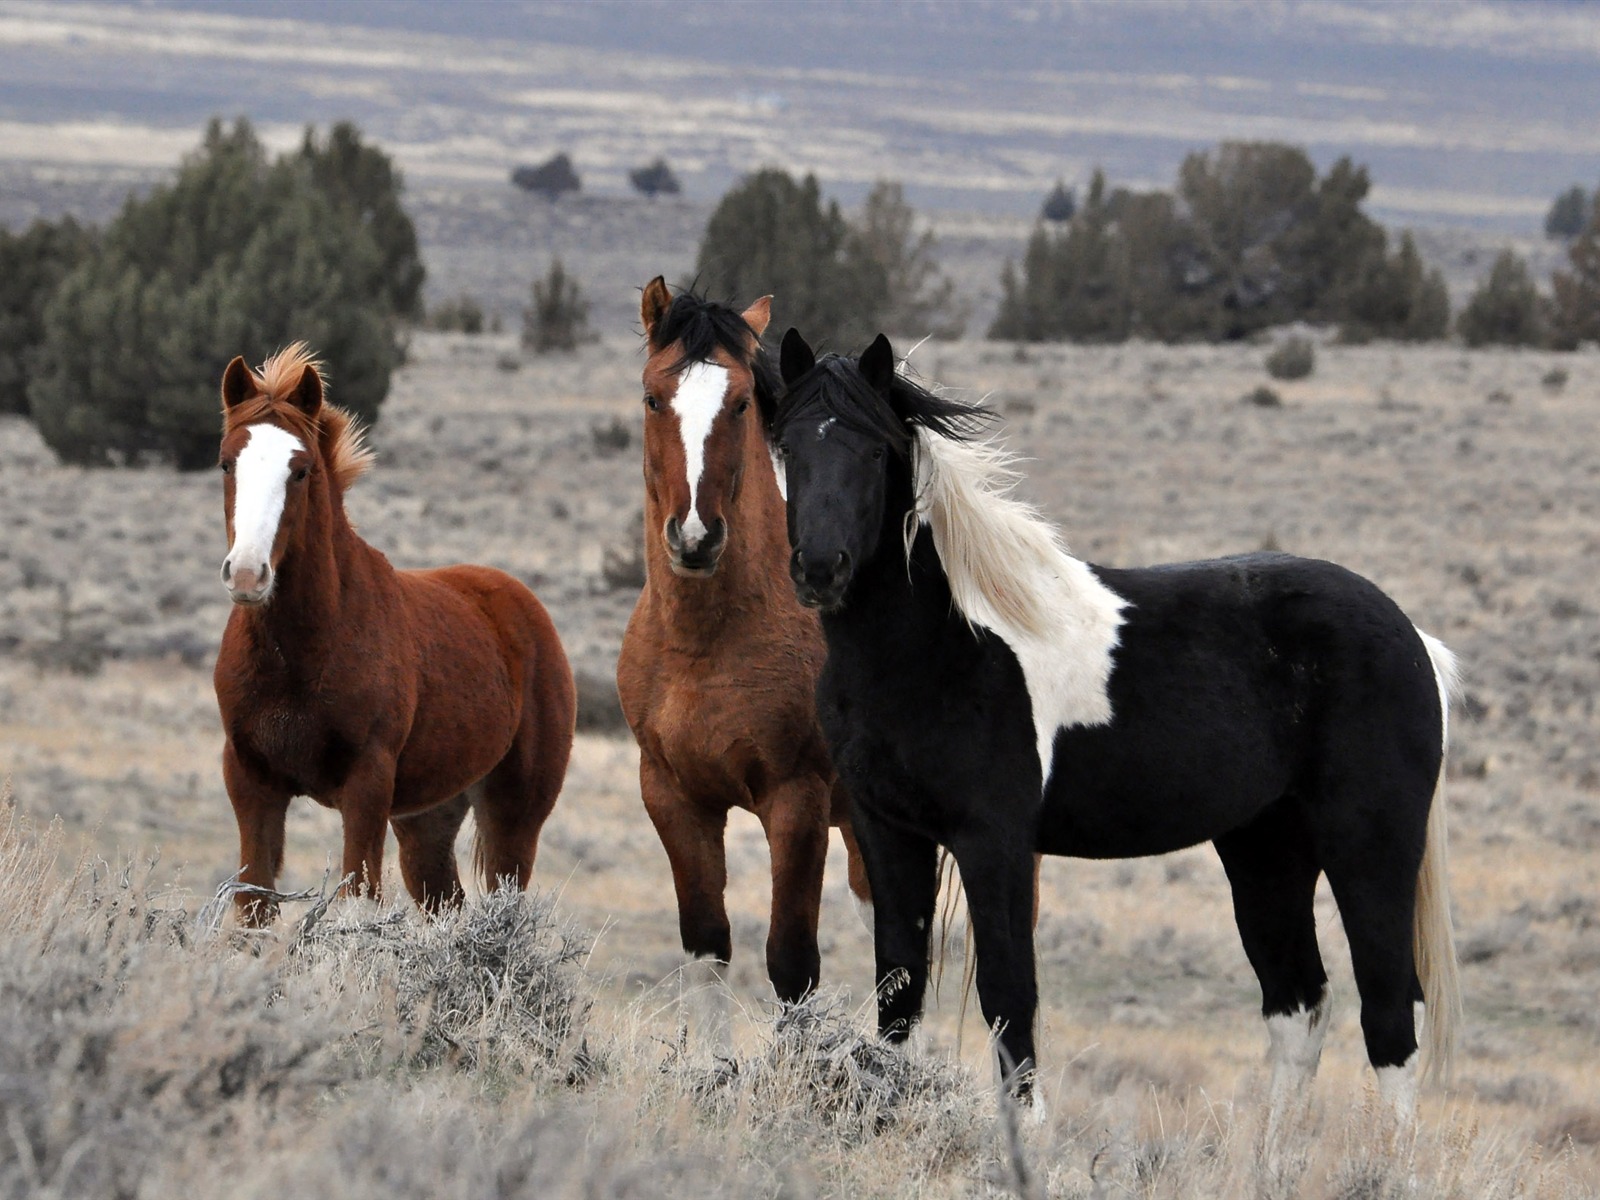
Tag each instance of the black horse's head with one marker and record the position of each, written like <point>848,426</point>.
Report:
<point>844,432</point>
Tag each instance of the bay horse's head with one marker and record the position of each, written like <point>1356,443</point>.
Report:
<point>845,432</point>
<point>285,453</point>
<point>709,394</point>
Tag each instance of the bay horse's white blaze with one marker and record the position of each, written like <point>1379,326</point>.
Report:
<point>1010,573</point>
<point>261,480</point>
<point>699,399</point>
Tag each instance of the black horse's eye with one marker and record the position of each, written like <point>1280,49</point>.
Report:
<point>877,453</point>
<point>652,403</point>
<point>783,449</point>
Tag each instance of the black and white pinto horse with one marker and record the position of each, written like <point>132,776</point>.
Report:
<point>986,692</point>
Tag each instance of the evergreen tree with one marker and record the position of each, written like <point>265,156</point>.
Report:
<point>655,180</point>
<point>1575,301</point>
<point>364,183</point>
<point>558,318</point>
<point>236,256</point>
<point>1395,296</point>
<point>1568,214</point>
<point>1060,205</point>
<point>773,235</point>
<point>918,298</point>
<point>32,265</point>
<point>551,179</point>
<point>1505,310</point>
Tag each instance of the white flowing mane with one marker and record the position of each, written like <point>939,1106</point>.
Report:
<point>1010,572</point>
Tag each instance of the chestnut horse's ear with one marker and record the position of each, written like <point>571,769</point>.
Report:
<point>238,384</point>
<point>795,358</point>
<point>653,306</point>
<point>307,395</point>
<point>759,314</point>
<point>877,364</point>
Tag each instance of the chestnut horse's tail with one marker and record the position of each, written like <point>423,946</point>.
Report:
<point>1433,938</point>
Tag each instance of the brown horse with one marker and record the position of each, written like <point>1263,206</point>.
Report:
<point>396,697</point>
<point>720,662</point>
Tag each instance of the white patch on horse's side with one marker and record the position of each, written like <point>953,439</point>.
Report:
<point>1397,1088</point>
<point>701,391</point>
<point>865,912</point>
<point>1010,573</point>
<point>261,480</point>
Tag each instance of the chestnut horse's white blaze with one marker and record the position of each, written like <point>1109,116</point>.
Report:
<point>699,399</point>
<point>261,481</point>
<point>1009,573</point>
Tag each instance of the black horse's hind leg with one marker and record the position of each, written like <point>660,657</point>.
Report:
<point>1273,875</point>
<point>902,868</point>
<point>997,874</point>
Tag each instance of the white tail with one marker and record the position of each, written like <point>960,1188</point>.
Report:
<point>1433,938</point>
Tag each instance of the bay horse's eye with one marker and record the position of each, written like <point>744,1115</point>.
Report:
<point>300,475</point>
<point>652,403</point>
<point>227,468</point>
<point>741,408</point>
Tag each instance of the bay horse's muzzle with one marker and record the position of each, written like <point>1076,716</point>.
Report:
<point>695,558</point>
<point>820,580</point>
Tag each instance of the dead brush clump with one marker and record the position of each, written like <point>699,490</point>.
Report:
<point>495,984</point>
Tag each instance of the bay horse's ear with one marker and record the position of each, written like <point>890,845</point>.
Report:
<point>759,314</point>
<point>877,364</point>
<point>795,358</point>
<point>653,306</point>
<point>238,384</point>
<point>307,395</point>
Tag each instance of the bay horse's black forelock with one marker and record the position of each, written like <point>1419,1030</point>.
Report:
<point>836,387</point>
<point>700,327</point>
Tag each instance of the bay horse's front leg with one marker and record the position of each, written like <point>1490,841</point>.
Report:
<point>999,874</point>
<point>796,821</point>
<point>261,811</point>
<point>692,837</point>
<point>364,803</point>
<point>902,867</point>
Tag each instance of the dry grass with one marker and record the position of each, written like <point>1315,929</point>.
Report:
<point>145,1053</point>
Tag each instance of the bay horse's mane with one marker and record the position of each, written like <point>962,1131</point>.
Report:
<point>701,327</point>
<point>1007,566</point>
<point>337,431</point>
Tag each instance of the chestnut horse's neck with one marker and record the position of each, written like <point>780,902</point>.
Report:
<point>327,580</point>
<point>752,577</point>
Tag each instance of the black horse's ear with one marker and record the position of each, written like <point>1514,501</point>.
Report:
<point>653,305</point>
<point>795,357</point>
<point>307,394</point>
<point>877,364</point>
<point>238,384</point>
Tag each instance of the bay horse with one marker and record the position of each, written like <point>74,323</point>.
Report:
<point>396,697</point>
<point>718,668</point>
<point>987,692</point>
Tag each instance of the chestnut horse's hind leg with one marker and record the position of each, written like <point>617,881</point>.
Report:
<point>261,811</point>
<point>427,842</point>
<point>512,803</point>
<point>796,822</point>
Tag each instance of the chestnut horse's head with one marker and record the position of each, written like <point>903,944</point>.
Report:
<point>285,453</point>
<point>709,393</point>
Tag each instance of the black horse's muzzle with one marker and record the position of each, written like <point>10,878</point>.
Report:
<point>820,580</point>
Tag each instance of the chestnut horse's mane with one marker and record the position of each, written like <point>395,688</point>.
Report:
<point>341,436</point>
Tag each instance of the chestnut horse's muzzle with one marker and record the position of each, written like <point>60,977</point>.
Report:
<point>247,585</point>
<point>695,557</point>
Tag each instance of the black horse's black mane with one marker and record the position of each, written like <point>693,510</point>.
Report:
<point>700,327</point>
<point>837,388</point>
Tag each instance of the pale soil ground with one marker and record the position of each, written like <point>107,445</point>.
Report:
<point>1456,480</point>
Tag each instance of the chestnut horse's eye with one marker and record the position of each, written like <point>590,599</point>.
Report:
<point>741,408</point>
<point>300,475</point>
<point>652,403</point>
<point>227,468</point>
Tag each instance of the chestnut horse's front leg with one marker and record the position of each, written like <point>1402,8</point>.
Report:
<point>364,803</point>
<point>261,811</point>
<point>795,817</point>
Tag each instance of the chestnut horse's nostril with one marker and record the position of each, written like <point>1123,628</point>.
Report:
<point>227,570</point>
